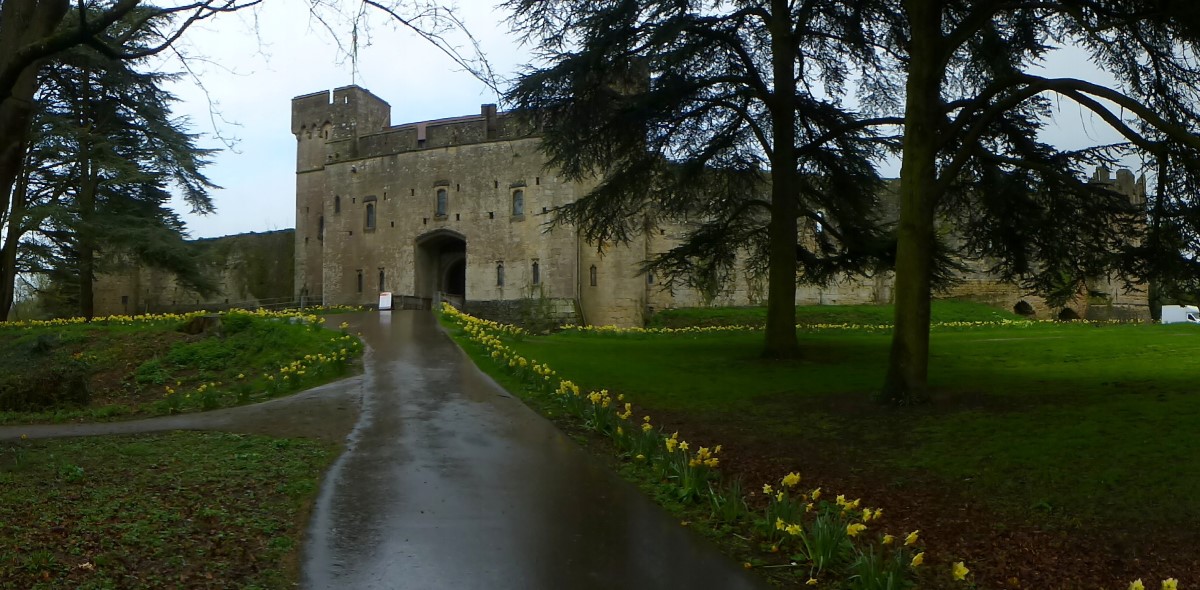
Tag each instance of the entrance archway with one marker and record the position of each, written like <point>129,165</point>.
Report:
<point>441,266</point>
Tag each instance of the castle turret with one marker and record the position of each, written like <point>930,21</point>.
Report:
<point>327,129</point>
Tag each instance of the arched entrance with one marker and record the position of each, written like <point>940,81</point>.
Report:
<point>441,261</point>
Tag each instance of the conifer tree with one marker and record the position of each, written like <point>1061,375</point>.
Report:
<point>105,155</point>
<point>965,76</point>
<point>728,116</point>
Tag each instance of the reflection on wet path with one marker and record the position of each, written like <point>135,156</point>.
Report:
<point>450,483</point>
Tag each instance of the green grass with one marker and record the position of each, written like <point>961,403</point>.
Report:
<point>121,369</point>
<point>944,310</point>
<point>1079,423</point>
<point>181,510</point>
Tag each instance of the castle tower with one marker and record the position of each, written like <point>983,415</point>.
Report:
<point>327,129</point>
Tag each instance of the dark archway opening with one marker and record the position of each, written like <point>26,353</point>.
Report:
<point>1068,314</point>
<point>441,267</point>
<point>455,281</point>
<point>1023,308</point>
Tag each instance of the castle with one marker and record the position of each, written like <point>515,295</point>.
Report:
<point>459,210</point>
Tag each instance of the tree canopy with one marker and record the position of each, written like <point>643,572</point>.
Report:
<point>730,117</point>
<point>104,158</point>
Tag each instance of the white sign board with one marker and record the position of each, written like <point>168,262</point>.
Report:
<point>385,301</point>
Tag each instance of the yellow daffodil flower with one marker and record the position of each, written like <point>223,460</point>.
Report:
<point>816,494</point>
<point>811,582</point>
<point>853,529</point>
<point>889,539</point>
<point>767,489</point>
<point>779,524</point>
<point>918,559</point>
<point>1170,584</point>
<point>911,538</point>
<point>793,529</point>
<point>959,570</point>
<point>791,480</point>
<point>1136,585</point>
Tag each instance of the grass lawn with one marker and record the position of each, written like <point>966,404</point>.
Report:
<point>181,510</point>
<point>1076,436</point>
<point>122,367</point>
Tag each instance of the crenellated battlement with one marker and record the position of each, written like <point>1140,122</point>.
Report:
<point>350,123</point>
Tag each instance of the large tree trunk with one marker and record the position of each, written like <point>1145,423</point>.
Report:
<point>781,232</point>
<point>8,248</point>
<point>908,365</point>
<point>21,23</point>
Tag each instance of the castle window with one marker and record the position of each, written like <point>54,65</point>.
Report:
<point>537,273</point>
<point>370,215</point>
<point>518,203</point>
<point>649,278</point>
<point>500,274</point>
<point>442,197</point>
<point>321,227</point>
<point>360,280</point>
<point>381,280</point>
<point>337,204</point>
<point>592,275</point>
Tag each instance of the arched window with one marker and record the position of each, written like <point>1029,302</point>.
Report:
<point>381,280</point>
<point>360,281</point>
<point>518,202</point>
<point>537,273</point>
<point>337,204</point>
<point>321,227</point>
<point>592,275</point>
<point>370,215</point>
<point>442,196</point>
<point>499,274</point>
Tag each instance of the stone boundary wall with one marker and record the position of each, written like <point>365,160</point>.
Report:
<point>536,314</point>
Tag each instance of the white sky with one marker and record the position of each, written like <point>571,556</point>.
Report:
<point>254,63</point>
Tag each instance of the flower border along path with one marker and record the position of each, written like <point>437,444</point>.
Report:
<point>791,536</point>
<point>802,537</point>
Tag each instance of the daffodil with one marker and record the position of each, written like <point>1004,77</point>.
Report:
<point>959,570</point>
<point>767,489</point>
<point>791,480</point>
<point>853,529</point>
<point>911,538</point>
<point>816,494</point>
<point>793,529</point>
<point>779,524</point>
<point>1170,584</point>
<point>1136,585</point>
<point>889,539</point>
<point>811,582</point>
<point>918,559</point>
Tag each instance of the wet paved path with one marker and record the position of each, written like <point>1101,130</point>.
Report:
<point>450,483</point>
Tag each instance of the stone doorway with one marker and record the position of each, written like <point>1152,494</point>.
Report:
<point>441,267</point>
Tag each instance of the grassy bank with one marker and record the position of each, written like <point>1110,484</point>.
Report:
<point>1053,455</point>
<point>944,310</point>
<point>125,367</point>
<point>181,510</point>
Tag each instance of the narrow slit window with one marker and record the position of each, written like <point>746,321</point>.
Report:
<point>321,227</point>
<point>499,274</point>
<point>592,275</point>
<point>442,197</point>
<point>360,281</point>
<point>518,202</point>
<point>337,204</point>
<point>381,280</point>
<point>537,273</point>
<point>370,215</point>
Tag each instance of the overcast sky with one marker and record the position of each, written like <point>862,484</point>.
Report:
<point>251,64</point>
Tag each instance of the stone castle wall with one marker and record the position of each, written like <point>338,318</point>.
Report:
<point>408,208</point>
<point>250,270</point>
